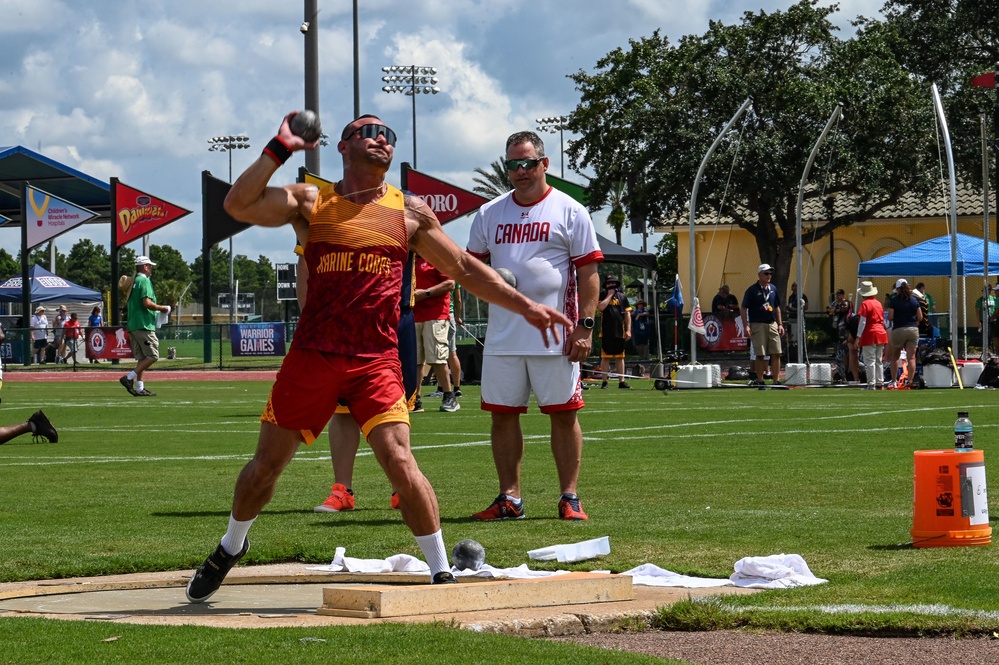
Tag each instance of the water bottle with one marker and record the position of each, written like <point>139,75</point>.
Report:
<point>964,438</point>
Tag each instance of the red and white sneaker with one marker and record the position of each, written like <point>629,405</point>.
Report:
<point>340,498</point>
<point>569,508</point>
<point>503,508</point>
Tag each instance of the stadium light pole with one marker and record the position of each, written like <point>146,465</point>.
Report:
<point>556,123</point>
<point>411,80</point>
<point>227,144</point>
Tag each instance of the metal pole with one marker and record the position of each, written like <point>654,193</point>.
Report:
<point>357,69</point>
<point>413,91</point>
<point>561,150</point>
<point>938,107</point>
<point>232,265</point>
<point>986,338</point>
<point>800,323</point>
<point>693,207</point>
<point>311,29</point>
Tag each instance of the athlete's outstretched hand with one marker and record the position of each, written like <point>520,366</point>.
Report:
<point>547,320</point>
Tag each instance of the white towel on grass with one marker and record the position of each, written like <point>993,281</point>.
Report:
<point>649,574</point>
<point>777,571</point>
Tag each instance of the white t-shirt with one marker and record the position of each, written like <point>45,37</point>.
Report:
<point>541,244</point>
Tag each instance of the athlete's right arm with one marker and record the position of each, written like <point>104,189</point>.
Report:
<point>250,200</point>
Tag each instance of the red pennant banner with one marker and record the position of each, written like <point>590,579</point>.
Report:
<point>139,213</point>
<point>447,201</point>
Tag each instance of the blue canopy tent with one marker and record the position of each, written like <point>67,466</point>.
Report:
<point>46,287</point>
<point>932,258</point>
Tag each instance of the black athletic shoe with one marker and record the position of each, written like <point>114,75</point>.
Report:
<point>208,577</point>
<point>444,577</point>
<point>457,391</point>
<point>129,384</point>
<point>144,393</point>
<point>43,428</point>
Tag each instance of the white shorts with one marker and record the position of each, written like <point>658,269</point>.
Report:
<point>507,382</point>
<point>431,342</point>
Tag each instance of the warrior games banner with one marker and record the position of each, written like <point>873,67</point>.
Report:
<point>257,339</point>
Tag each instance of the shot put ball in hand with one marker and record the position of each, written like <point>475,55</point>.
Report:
<point>507,276</point>
<point>306,125</point>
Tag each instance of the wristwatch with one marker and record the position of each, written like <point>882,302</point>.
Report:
<point>587,323</point>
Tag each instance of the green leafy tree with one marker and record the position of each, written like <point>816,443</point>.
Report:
<point>9,266</point>
<point>948,42</point>
<point>41,256</point>
<point>169,263</point>
<point>89,265</point>
<point>493,182</point>
<point>219,259</point>
<point>648,115</point>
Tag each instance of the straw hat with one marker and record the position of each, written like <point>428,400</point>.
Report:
<point>867,289</point>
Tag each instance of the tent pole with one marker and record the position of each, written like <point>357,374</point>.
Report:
<point>938,107</point>
<point>985,240</point>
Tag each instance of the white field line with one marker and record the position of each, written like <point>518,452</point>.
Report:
<point>322,453</point>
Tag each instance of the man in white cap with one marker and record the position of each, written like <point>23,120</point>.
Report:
<point>141,325</point>
<point>39,334</point>
<point>761,315</point>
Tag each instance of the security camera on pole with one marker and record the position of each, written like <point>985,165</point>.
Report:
<point>411,80</point>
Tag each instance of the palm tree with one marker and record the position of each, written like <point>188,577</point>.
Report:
<point>617,217</point>
<point>494,183</point>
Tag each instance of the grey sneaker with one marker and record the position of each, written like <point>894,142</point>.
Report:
<point>437,394</point>
<point>444,577</point>
<point>41,427</point>
<point>208,577</point>
<point>457,392</point>
<point>450,404</point>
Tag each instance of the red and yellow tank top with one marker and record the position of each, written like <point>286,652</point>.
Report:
<point>356,254</point>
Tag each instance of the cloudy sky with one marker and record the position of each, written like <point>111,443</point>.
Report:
<point>134,89</point>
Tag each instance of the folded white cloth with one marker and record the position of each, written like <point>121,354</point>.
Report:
<point>649,574</point>
<point>162,318</point>
<point>397,563</point>
<point>777,571</point>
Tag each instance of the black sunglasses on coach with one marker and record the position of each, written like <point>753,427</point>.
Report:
<point>528,164</point>
<point>372,132</point>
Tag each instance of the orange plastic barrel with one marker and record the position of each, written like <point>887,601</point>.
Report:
<point>950,506</point>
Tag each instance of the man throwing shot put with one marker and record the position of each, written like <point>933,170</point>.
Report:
<point>357,234</point>
<point>547,240</point>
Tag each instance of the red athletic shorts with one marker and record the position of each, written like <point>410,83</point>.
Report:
<point>310,384</point>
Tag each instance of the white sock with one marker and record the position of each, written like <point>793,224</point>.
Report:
<point>132,376</point>
<point>139,386</point>
<point>433,550</point>
<point>232,541</point>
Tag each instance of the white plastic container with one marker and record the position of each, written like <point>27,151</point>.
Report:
<point>970,373</point>
<point>820,374</point>
<point>938,376</point>
<point>587,549</point>
<point>716,376</point>
<point>693,376</point>
<point>796,374</point>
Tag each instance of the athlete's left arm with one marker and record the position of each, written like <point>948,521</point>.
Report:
<point>427,238</point>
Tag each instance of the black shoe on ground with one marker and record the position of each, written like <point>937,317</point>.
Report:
<point>624,385</point>
<point>444,577</point>
<point>129,384</point>
<point>418,405</point>
<point>603,385</point>
<point>144,393</point>
<point>43,428</point>
<point>208,577</point>
<point>457,391</point>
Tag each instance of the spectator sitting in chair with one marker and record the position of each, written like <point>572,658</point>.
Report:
<point>725,305</point>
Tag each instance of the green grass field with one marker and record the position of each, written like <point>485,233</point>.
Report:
<point>689,480</point>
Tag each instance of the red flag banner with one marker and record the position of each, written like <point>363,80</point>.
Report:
<point>138,213</point>
<point>446,200</point>
<point>984,80</point>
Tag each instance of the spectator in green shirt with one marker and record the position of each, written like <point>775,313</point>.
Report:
<point>141,326</point>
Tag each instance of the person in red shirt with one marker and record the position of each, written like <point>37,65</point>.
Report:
<point>432,313</point>
<point>71,333</point>
<point>871,335</point>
